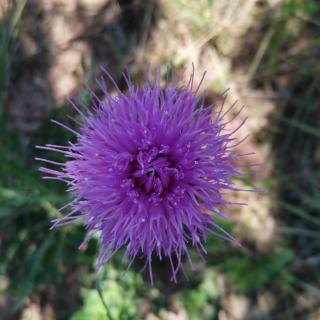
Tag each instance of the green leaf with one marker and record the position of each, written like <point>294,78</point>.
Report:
<point>198,300</point>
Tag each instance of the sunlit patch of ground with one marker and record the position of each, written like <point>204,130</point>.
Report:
<point>255,221</point>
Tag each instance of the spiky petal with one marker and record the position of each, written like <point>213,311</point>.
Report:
<point>148,170</point>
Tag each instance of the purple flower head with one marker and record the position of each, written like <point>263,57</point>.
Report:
<point>148,170</point>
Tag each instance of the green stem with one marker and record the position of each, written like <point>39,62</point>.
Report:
<point>103,301</point>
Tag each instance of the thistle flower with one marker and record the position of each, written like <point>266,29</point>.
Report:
<point>148,170</point>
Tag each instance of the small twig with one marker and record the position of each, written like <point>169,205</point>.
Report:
<point>308,19</point>
<point>308,287</point>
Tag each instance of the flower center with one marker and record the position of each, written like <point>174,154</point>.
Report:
<point>153,171</point>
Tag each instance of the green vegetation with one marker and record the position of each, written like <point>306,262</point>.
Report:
<point>9,29</point>
<point>248,275</point>
<point>122,297</point>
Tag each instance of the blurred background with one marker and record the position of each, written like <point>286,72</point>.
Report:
<point>267,52</point>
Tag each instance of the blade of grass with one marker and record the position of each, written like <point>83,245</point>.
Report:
<point>35,263</point>
<point>302,126</point>
<point>299,213</point>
